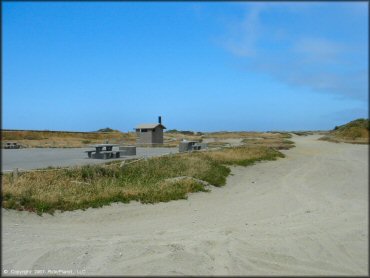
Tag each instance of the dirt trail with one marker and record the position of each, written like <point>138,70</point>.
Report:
<point>306,214</point>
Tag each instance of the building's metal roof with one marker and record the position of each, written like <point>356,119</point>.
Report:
<point>149,126</point>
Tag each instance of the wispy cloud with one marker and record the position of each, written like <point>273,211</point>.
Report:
<point>243,41</point>
<point>321,63</point>
<point>318,50</point>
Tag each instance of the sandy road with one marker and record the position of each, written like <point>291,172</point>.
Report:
<point>306,214</point>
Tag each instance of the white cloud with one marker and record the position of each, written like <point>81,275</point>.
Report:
<point>318,49</point>
<point>299,59</point>
<point>243,41</point>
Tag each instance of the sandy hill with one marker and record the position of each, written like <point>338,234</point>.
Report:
<point>356,131</point>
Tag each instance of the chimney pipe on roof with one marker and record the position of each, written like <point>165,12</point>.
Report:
<point>160,120</point>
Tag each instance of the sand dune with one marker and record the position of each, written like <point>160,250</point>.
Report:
<point>306,214</point>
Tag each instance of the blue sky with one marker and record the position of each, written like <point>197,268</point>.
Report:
<point>203,66</point>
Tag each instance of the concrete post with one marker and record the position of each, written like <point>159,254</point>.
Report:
<point>15,175</point>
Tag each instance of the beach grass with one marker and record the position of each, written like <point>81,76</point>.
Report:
<point>277,143</point>
<point>146,181</point>
<point>355,132</point>
<point>242,155</point>
<point>149,180</point>
<point>60,139</point>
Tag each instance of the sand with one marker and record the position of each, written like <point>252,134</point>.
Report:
<point>306,214</point>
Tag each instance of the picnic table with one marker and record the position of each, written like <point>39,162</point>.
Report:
<point>12,145</point>
<point>103,151</point>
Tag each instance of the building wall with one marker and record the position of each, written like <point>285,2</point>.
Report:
<point>152,136</point>
<point>144,137</point>
<point>157,135</point>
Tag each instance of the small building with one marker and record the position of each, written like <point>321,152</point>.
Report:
<point>150,133</point>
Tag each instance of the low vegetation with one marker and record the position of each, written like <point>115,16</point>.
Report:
<point>148,181</point>
<point>217,144</point>
<point>356,132</point>
<point>276,143</point>
<point>242,155</point>
<point>184,132</point>
<point>94,186</point>
<point>245,134</point>
<point>107,129</point>
<point>62,139</point>
<point>303,133</point>
<point>172,138</point>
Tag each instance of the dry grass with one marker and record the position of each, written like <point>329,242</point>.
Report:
<point>277,143</point>
<point>349,140</point>
<point>272,139</point>
<point>243,155</point>
<point>173,139</point>
<point>146,181</point>
<point>303,133</point>
<point>237,135</point>
<point>217,144</point>
<point>94,186</point>
<point>355,132</point>
<point>47,139</point>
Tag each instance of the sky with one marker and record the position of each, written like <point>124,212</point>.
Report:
<point>202,66</point>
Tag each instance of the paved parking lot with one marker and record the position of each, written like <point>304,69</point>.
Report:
<point>34,158</point>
